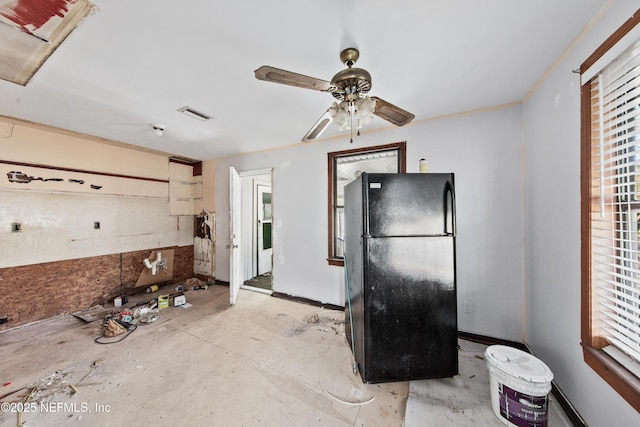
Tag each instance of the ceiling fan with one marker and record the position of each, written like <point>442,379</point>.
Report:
<point>350,87</point>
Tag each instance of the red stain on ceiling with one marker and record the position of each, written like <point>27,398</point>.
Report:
<point>30,15</point>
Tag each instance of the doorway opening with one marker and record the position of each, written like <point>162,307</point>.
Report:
<point>257,242</point>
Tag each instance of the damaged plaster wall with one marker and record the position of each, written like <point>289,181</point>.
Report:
<point>66,199</point>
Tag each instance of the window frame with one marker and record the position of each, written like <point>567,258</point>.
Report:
<point>331,170</point>
<point>624,382</point>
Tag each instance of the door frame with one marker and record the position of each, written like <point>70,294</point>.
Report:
<point>237,261</point>
<point>235,234</point>
<point>259,188</point>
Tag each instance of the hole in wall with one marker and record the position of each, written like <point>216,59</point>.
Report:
<point>96,225</point>
<point>16,227</point>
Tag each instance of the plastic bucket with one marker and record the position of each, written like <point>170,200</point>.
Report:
<point>519,385</point>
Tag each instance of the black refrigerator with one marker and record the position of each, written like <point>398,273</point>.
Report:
<point>400,274</point>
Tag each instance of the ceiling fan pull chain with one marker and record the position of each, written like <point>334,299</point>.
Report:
<point>351,114</point>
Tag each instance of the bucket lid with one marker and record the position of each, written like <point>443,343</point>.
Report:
<point>517,363</point>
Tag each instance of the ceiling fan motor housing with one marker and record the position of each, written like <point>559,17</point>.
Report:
<point>352,84</point>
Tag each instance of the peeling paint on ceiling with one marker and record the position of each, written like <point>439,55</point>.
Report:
<point>31,15</point>
<point>34,29</point>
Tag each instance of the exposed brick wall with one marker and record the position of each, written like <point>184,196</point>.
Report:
<point>40,291</point>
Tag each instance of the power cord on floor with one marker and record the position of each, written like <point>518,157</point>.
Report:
<point>346,402</point>
<point>128,326</point>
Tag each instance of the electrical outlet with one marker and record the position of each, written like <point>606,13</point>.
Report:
<point>3,320</point>
<point>466,306</point>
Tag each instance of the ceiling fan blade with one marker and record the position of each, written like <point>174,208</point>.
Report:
<point>276,75</point>
<point>317,129</point>
<point>391,113</point>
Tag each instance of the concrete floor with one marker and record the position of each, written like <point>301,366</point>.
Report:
<point>261,362</point>
<point>464,400</point>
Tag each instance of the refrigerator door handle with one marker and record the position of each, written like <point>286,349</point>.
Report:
<point>449,204</point>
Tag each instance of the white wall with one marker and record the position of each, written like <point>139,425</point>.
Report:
<point>552,231</point>
<point>483,149</point>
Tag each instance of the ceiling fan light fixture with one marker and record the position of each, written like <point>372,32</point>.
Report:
<point>341,114</point>
<point>361,110</point>
<point>364,109</point>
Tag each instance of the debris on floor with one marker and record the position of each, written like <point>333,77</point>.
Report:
<point>124,317</point>
<point>47,392</point>
<point>125,320</point>
<point>92,314</point>
<point>136,378</point>
<point>113,329</point>
<point>313,318</point>
<point>196,284</point>
<point>326,321</point>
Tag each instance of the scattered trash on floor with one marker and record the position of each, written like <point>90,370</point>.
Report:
<point>328,323</point>
<point>151,289</point>
<point>50,389</point>
<point>313,318</point>
<point>325,321</point>
<point>113,329</point>
<point>149,318</point>
<point>92,314</point>
<point>163,301</point>
<point>120,301</point>
<point>195,284</point>
<point>123,319</point>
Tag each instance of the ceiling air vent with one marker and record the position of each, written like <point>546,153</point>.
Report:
<point>194,114</point>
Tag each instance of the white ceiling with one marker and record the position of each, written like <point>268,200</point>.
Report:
<point>134,63</point>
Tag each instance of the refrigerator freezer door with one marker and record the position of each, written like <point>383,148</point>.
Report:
<point>410,314</point>
<point>414,204</point>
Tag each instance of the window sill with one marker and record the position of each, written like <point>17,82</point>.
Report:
<point>616,375</point>
<point>336,261</point>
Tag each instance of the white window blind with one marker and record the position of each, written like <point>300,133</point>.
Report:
<point>615,203</point>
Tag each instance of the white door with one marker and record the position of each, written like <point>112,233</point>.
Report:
<point>235,218</point>
<point>265,217</point>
